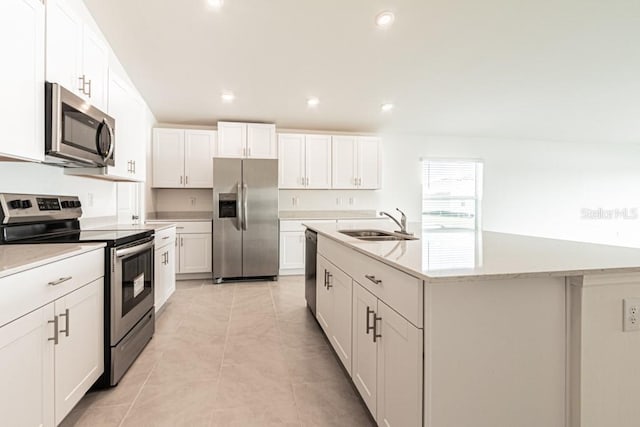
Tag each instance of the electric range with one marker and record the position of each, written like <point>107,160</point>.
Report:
<point>129,319</point>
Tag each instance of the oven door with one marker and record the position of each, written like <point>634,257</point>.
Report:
<point>132,286</point>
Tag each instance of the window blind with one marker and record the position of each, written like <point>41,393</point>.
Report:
<point>451,193</point>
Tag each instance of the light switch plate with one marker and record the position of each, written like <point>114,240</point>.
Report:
<point>631,312</point>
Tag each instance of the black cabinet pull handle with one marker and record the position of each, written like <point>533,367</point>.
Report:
<point>373,279</point>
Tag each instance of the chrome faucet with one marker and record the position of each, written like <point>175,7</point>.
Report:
<point>402,223</point>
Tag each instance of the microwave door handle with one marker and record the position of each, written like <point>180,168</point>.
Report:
<point>121,253</point>
<point>111,141</point>
<point>245,191</point>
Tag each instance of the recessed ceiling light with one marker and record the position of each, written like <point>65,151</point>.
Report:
<point>386,107</point>
<point>228,96</point>
<point>384,19</point>
<point>216,4</point>
<point>313,101</point>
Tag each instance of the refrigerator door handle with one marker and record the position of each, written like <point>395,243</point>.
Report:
<point>239,206</point>
<point>245,190</point>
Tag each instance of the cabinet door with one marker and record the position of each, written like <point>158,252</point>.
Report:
<point>232,139</point>
<point>318,161</point>
<point>365,360</point>
<point>195,253</point>
<point>122,109</point>
<point>79,356</point>
<point>95,68</point>
<point>198,158</point>
<point>22,83</point>
<point>399,370</point>
<point>64,45</point>
<point>324,305</point>
<point>26,369</point>
<point>291,160</point>
<point>368,163</point>
<point>343,161</point>
<point>128,202</point>
<point>340,285</point>
<point>159,277</point>
<point>168,158</point>
<point>170,271</point>
<point>292,250</point>
<point>261,141</point>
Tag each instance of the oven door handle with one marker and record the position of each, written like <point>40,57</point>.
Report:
<point>121,253</point>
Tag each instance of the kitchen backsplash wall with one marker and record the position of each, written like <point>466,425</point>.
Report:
<point>330,200</point>
<point>181,200</point>
<point>98,197</point>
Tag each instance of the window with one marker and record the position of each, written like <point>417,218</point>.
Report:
<point>451,194</point>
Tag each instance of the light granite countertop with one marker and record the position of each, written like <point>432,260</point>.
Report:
<point>346,214</point>
<point>142,227</point>
<point>17,258</point>
<point>180,216</point>
<point>465,255</point>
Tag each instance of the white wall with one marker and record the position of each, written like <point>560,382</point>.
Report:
<point>44,179</point>
<point>530,187</point>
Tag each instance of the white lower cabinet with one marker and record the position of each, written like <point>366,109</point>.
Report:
<point>195,253</point>
<point>333,308</point>
<point>387,361</point>
<point>50,358</point>
<point>79,357</point>
<point>292,252</point>
<point>26,369</point>
<point>164,266</point>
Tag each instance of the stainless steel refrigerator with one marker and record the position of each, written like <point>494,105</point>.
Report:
<point>245,219</point>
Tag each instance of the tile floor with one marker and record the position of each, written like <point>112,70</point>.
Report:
<point>245,354</point>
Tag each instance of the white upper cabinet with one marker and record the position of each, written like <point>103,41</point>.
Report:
<point>77,58</point>
<point>64,45</point>
<point>369,175</point>
<point>232,139</point>
<point>168,158</point>
<point>261,141</point>
<point>22,85</point>
<point>356,162</point>
<point>305,161</point>
<point>198,154</point>
<point>247,140</point>
<point>291,164</point>
<point>318,161</point>
<point>182,158</point>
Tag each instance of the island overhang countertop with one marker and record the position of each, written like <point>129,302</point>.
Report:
<point>449,255</point>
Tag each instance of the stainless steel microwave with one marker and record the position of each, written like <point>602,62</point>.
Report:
<point>76,133</point>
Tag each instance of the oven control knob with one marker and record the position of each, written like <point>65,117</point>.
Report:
<point>26,204</point>
<point>65,204</point>
<point>77,204</point>
<point>15,204</point>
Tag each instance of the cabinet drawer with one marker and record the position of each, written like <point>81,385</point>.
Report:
<point>165,237</point>
<point>399,290</point>
<point>193,227</point>
<point>26,291</point>
<point>291,226</point>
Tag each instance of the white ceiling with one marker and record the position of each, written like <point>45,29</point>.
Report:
<point>534,69</point>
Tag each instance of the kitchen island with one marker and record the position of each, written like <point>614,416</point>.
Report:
<point>460,328</point>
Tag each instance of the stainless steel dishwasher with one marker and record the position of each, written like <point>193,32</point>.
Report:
<point>310,255</point>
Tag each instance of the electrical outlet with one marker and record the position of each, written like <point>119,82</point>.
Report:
<point>294,201</point>
<point>631,309</point>
<point>192,200</point>
<point>352,201</point>
<point>338,201</point>
<point>90,199</point>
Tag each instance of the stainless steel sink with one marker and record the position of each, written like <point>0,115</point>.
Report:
<point>376,235</point>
